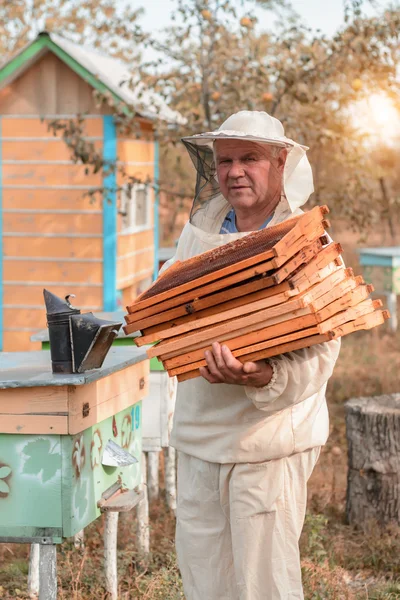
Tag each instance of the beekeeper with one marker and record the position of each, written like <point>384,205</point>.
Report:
<point>248,435</point>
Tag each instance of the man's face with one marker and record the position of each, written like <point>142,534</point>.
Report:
<point>249,174</point>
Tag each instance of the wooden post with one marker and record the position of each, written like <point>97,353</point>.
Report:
<point>33,575</point>
<point>170,477</point>
<point>152,475</point>
<point>48,572</point>
<point>142,514</point>
<point>79,540</point>
<point>392,307</point>
<point>110,553</point>
<point>373,434</point>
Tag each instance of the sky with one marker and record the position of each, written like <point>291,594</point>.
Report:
<point>326,15</point>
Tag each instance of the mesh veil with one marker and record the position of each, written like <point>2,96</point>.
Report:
<point>207,186</point>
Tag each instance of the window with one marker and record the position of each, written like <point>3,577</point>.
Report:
<point>135,207</point>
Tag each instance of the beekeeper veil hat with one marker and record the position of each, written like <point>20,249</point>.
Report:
<point>252,126</point>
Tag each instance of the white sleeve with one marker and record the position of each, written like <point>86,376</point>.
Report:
<point>298,375</point>
<point>181,249</point>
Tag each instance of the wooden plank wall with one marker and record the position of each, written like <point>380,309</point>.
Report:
<point>52,233</point>
<point>48,87</point>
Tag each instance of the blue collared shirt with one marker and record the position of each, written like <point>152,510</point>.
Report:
<point>229,224</point>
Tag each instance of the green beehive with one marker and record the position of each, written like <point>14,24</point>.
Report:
<point>55,473</point>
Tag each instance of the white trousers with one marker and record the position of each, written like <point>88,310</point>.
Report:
<point>238,527</point>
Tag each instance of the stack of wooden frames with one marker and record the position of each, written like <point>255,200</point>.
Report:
<point>272,291</point>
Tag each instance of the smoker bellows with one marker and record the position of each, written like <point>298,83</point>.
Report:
<point>77,342</point>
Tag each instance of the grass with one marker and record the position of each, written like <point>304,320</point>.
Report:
<point>338,561</point>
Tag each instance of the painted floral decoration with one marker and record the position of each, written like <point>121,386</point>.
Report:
<point>114,427</point>
<point>5,472</point>
<point>81,500</point>
<point>42,458</point>
<point>95,449</point>
<point>78,456</point>
<point>126,431</point>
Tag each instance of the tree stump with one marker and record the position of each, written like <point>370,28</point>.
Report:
<point>373,435</point>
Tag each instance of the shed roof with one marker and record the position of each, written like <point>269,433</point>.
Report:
<point>104,73</point>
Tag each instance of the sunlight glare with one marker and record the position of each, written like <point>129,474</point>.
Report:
<point>378,118</point>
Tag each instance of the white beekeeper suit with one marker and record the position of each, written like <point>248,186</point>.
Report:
<point>245,454</point>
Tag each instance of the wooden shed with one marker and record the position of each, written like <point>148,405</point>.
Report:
<point>52,235</point>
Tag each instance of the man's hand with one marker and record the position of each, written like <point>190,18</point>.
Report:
<point>223,367</point>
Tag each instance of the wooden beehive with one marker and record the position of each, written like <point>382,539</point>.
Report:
<point>53,433</point>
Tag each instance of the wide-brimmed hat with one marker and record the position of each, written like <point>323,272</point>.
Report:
<point>260,127</point>
<point>254,126</point>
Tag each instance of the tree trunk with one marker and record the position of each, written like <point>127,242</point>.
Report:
<point>373,435</point>
<point>387,210</point>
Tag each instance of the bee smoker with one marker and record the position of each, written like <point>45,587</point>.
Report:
<point>78,342</point>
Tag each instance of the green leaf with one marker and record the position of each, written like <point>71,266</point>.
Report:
<point>42,461</point>
<point>4,489</point>
<point>4,472</point>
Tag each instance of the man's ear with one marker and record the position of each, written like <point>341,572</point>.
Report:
<point>282,159</point>
<point>215,161</point>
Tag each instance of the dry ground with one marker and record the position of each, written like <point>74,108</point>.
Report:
<point>338,561</point>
